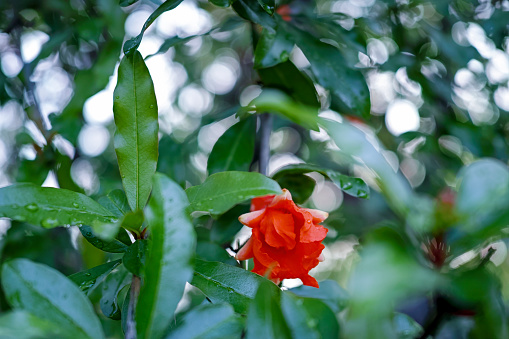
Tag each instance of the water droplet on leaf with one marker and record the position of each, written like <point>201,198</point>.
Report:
<point>32,207</point>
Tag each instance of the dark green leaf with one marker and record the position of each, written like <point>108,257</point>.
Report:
<point>213,252</point>
<point>130,46</point>
<point>89,279</point>
<point>111,287</point>
<point>252,11</point>
<point>329,292</point>
<point>234,150</point>
<point>225,283</point>
<point>134,257</point>
<point>21,324</point>
<point>289,79</point>
<point>227,225</point>
<point>268,5</point>
<point>136,141</point>
<point>169,257</point>
<point>272,100</point>
<point>211,322</point>
<point>221,3</point>
<point>49,295</point>
<point>355,187</point>
<point>347,86</point>
<point>265,318</point>
<point>301,186</point>
<point>112,246</point>
<point>274,47</point>
<point>52,207</point>
<point>125,3</point>
<point>321,317</point>
<point>222,191</point>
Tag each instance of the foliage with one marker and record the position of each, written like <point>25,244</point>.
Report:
<point>135,132</point>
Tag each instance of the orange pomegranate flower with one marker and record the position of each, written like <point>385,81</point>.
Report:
<point>286,239</point>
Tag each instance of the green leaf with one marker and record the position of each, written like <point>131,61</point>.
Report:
<point>252,11</point>
<point>130,46</point>
<point>221,3</point>
<point>134,257</point>
<point>300,322</point>
<point>21,324</point>
<point>225,283</point>
<point>268,5</point>
<point>234,150</point>
<point>136,141</point>
<point>116,202</point>
<point>272,100</point>
<point>301,186</point>
<point>49,295</point>
<point>347,86</point>
<point>355,187</point>
<point>329,292</point>
<point>111,246</point>
<point>356,144</point>
<point>211,322</point>
<point>51,207</point>
<point>222,191</point>
<point>265,318</point>
<point>111,287</point>
<point>406,327</point>
<point>89,279</point>
<point>274,47</point>
<point>169,259</point>
<point>125,3</point>
<point>213,252</point>
<point>289,79</point>
<point>227,225</point>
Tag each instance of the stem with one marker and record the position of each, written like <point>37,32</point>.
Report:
<point>265,130</point>
<point>130,332</point>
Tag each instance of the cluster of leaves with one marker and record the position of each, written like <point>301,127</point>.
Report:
<point>424,259</point>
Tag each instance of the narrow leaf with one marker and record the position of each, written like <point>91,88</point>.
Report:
<point>111,287</point>
<point>222,191</point>
<point>111,246</point>
<point>234,150</point>
<point>130,46</point>
<point>268,5</point>
<point>89,279</point>
<point>51,207</point>
<point>271,100</point>
<point>348,86</point>
<point>136,142</point>
<point>49,295</point>
<point>125,3</point>
<point>134,257</point>
<point>225,283</point>
<point>252,11</point>
<point>169,259</point>
<point>211,322</point>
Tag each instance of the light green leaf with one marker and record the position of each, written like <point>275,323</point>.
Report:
<point>329,292</point>
<point>169,259</point>
<point>136,142</point>
<point>49,295</point>
<point>21,324</point>
<point>234,150</point>
<point>222,191</point>
<point>301,323</point>
<point>130,46</point>
<point>272,100</point>
<point>115,202</point>
<point>225,283</point>
<point>89,279</point>
<point>355,143</point>
<point>51,207</point>
<point>211,322</point>
<point>265,318</point>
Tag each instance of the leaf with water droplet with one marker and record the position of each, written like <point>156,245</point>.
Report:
<point>88,279</point>
<point>32,207</point>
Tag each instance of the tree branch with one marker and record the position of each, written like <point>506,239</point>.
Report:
<point>130,332</point>
<point>264,151</point>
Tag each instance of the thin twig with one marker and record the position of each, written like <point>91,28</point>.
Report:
<point>265,130</point>
<point>130,332</point>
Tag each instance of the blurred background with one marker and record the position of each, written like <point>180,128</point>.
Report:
<point>437,72</point>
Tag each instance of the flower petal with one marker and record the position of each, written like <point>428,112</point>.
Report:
<point>246,252</point>
<point>318,216</point>
<point>252,218</point>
